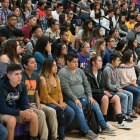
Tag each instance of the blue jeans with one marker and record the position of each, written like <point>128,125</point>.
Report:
<point>136,93</point>
<point>79,114</point>
<point>64,118</point>
<point>3,132</point>
<point>126,99</point>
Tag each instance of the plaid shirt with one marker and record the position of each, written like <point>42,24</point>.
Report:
<point>44,23</point>
<point>3,15</point>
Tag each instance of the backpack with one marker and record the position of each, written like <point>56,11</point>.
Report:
<point>92,121</point>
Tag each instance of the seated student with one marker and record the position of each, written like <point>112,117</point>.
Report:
<point>3,132</point>
<point>51,95</point>
<point>84,56</point>
<point>7,31</point>
<point>14,103</point>
<point>36,34</point>
<point>60,55</point>
<point>78,94</point>
<point>112,84</point>
<point>103,97</point>
<point>31,79</point>
<point>32,21</point>
<point>128,77</point>
<point>110,45</point>
<point>42,51</point>
<point>53,31</point>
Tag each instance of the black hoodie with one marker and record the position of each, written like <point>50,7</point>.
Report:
<point>12,100</point>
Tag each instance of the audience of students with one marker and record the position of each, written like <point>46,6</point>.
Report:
<point>50,37</point>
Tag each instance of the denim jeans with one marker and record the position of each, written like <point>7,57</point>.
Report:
<point>126,99</point>
<point>136,93</point>
<point>64,118</point>
<point>79,114</point>
<point>3,132</point>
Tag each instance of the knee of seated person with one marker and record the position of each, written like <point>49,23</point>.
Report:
<point>116,98</point>
<point>78,110</point>
<point>105,99</point>
<point>41,114</point>
<point>96,105</point>
<point>51,112</point>
<point>11,122</point>
<point>124,96</point>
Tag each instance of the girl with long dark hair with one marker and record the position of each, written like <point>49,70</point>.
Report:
<point>51,95</point>
<point>128,76</point>
<point>42,51</point>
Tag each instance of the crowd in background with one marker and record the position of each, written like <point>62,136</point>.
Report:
<point>58,57</point>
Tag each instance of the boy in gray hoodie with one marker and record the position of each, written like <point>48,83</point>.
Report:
<point>112,84</point>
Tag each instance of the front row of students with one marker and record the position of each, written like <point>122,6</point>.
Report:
<point>52,100</point>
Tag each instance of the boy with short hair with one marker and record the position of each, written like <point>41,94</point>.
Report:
<point>44,112</point>
<point>14,102</point>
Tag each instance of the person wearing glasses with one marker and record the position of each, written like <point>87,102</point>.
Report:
<point>110,45</point>
<point>53,30</point>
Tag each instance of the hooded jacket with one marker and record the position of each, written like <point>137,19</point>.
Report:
<point>12,100</point>
<point>111,78</point>
<point>95,84</point>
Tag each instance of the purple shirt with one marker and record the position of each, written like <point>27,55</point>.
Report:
<point>83,61</point>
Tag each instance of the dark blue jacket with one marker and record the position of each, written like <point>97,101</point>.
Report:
<point>12,100</point>
<point>106,57</point>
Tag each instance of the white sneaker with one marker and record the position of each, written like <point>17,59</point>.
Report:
<point>124,125</point>
<point>112,128</point>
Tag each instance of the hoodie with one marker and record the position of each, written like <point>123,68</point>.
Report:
<point>111,78</point>
<point>12,100</point>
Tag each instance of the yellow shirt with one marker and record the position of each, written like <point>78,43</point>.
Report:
<point>48,94</point>
<point>130,26</point>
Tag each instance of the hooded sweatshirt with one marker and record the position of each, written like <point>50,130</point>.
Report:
<point>111,78</point>
<point>12,100</point>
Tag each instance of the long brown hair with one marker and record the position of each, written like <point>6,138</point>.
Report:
<point>47,70</point>
<point>99,42</point>
<point>10,50</point>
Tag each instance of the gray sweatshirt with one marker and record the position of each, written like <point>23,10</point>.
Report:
<point>74,85</point>
<point>111,78</point>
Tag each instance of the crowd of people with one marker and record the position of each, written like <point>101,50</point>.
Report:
<point>58,57</point>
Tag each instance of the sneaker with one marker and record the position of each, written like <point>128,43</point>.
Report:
<point>108,132</point>
<point>127,119</point>
<point>91,135</point>
<point>124,125</point>
<point>112,128</point>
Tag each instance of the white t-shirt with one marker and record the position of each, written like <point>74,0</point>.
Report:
<point>55,15</point>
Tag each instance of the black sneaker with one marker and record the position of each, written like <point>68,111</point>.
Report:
<point>128,119</point>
